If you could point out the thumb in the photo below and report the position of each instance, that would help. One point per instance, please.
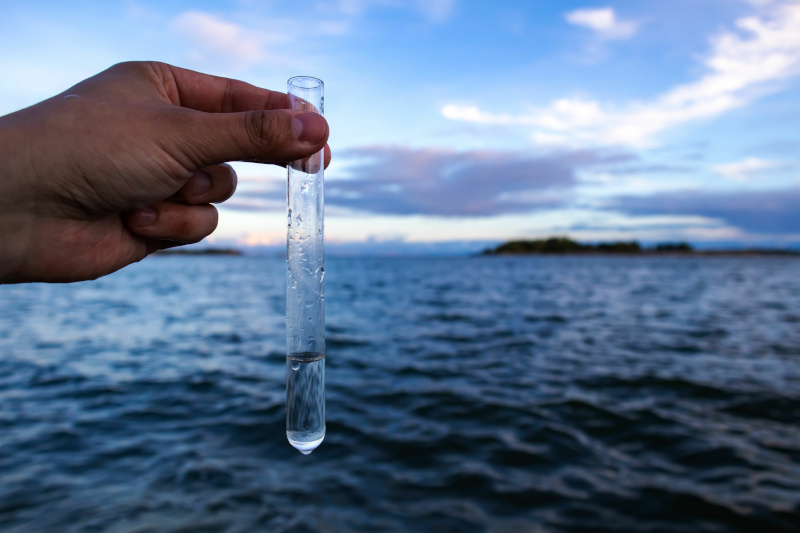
(276, 136)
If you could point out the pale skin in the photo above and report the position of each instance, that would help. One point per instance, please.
(128, 162)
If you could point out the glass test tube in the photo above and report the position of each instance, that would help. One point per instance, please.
(305, 287)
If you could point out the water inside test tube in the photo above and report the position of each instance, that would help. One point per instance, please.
(305, 400)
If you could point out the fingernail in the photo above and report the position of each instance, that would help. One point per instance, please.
(309, 127)
(146, 216)
(201, 183)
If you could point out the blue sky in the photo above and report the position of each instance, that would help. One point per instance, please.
(457, 122)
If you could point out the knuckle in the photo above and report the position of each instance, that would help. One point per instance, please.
(148, 68)
(228, 103)
(185, 227)
(125, 65)
(266, 128)
(198, 223)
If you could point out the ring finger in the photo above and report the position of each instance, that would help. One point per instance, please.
(212, 184)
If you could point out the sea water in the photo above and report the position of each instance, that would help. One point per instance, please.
(305, 400)
(637, 394)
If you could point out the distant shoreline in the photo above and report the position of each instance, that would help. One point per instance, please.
(566, 246)
(552, 247)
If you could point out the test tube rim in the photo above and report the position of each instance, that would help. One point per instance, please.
(314, 83)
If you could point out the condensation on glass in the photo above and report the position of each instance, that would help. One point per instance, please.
(305, 287)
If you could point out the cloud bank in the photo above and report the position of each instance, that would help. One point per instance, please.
(442, 183)
(775, 212)
(406, 181)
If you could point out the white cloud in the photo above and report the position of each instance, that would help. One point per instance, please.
(743, 170)
(604, 21)
(473, 114)
(740, 66)
(215, 40)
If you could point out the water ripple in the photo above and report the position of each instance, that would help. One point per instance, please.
(492, 394)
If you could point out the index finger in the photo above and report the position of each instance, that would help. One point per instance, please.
(214, 94)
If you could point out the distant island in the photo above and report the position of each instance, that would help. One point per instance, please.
(205, 251)
(565, 245)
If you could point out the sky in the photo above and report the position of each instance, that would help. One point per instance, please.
(457, 124)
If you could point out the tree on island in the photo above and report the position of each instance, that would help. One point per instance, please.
(565, 245)
(673, 247)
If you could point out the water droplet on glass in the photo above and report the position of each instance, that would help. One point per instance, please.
(295, 366)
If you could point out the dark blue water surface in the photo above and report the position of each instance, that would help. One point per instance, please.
(473, 394)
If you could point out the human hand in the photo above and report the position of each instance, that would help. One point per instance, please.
(127, 162)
